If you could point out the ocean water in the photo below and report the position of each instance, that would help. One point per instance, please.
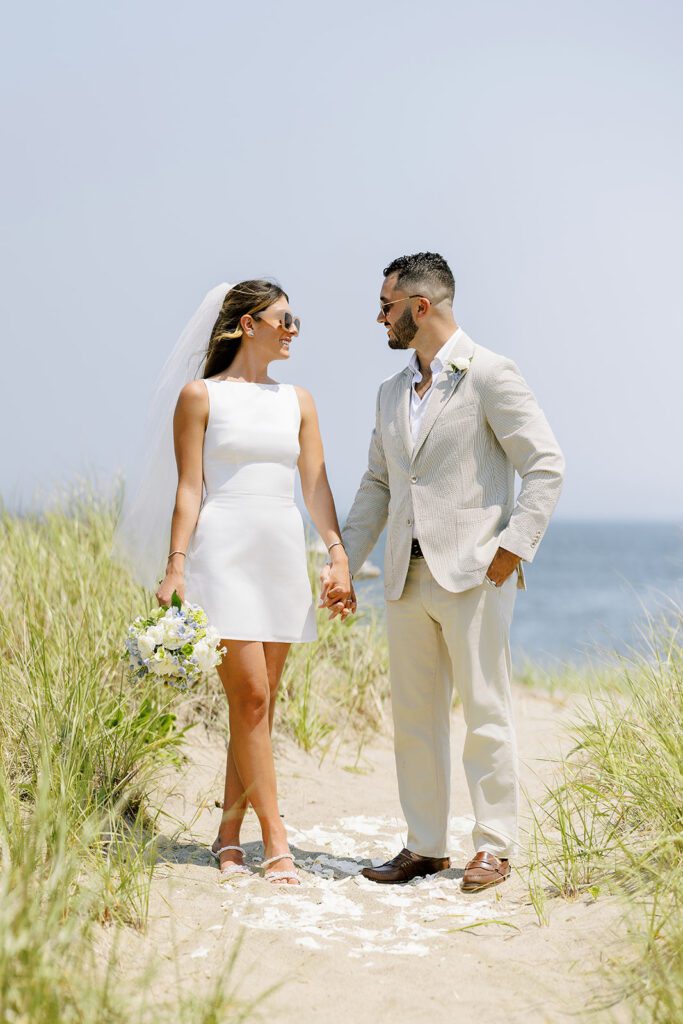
(589, 590)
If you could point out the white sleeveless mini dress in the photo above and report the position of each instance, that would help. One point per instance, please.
(246, 562)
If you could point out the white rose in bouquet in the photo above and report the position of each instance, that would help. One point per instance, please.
(206, 654)
(175, 631)
(162, 663)
(202, 653)
(147, 644)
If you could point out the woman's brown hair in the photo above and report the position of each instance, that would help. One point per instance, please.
(226, 337)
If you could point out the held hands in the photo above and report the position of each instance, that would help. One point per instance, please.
(503, 565)
(337, 591)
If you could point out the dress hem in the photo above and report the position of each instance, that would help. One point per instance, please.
(269, 639)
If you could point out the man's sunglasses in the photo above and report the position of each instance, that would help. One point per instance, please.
(384, 306)
(285, 320)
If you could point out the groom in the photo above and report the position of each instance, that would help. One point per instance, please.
(451, 429)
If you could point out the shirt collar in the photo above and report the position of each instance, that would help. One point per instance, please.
(439, 360)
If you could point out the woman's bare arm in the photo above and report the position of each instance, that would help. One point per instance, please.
(318, 498)
(189, 426)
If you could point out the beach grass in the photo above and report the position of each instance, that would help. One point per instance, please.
(80, 749)
(336, 690)
(567, 680)
(612, 822)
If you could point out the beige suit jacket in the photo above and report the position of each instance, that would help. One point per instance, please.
(457, 481)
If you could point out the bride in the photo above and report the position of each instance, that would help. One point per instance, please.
(237, 544)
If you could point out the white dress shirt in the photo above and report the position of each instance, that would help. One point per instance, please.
(418, 406)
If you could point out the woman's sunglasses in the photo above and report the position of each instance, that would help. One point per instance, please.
(286, 321)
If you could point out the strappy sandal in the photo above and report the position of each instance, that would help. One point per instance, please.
(230, 868)
(279, 876)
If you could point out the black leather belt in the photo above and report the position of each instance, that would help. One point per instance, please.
(416, 550)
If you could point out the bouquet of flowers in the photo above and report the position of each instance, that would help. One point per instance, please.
(175, 643)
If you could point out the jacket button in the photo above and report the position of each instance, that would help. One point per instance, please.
(409, 522)
(413, 479)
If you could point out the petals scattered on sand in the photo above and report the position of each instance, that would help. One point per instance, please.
(336, 906)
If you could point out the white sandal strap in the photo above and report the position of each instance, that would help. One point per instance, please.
(234, 869)
(280, 856)
(217, 853)
(276, 876)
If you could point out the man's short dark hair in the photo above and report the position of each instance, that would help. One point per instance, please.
(426, 270)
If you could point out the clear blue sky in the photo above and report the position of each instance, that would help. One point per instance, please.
(154, 149)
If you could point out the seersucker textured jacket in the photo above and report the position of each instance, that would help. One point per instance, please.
(456, 483)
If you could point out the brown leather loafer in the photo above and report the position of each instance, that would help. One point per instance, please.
(483, 871)
(405, 866)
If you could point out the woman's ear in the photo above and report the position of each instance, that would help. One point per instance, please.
(247, 325)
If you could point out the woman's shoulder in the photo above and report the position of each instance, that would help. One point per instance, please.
(303, 393)
(193, 395)
(306, 400)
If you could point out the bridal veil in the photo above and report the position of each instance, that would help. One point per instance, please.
(143, 530)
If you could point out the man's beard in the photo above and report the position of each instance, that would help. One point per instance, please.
(404, 331)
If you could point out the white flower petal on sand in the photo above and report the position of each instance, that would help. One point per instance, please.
(354, 916)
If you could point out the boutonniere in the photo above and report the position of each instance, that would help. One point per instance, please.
(460, 365)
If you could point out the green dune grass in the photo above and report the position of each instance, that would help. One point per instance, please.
(612, 823)
(79, 750)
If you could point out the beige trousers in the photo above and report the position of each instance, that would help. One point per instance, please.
(437, 638)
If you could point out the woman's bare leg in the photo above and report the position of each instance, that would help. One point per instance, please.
(276, 656)
(235, 803)
(250, 674)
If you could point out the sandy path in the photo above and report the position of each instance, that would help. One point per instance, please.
(343, 948)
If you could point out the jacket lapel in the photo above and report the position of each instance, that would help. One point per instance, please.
(444, 389)
(405, 382)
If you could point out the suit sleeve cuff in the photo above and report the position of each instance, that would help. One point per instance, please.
(519, 546)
